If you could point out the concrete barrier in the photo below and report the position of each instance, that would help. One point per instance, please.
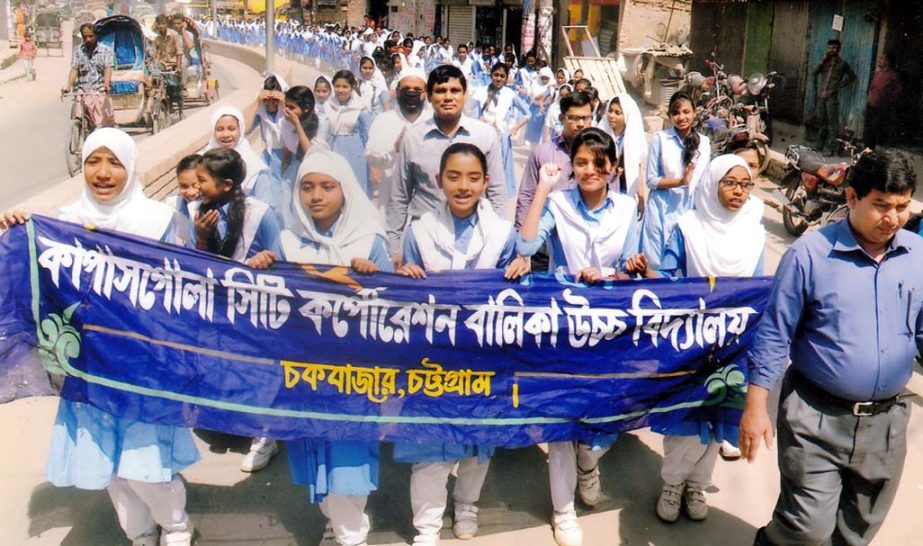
(159, 154)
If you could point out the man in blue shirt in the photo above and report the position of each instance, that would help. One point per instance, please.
(846, 309)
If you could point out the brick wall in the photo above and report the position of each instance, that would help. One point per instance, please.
(356, 11)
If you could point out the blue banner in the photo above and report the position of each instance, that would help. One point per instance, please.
(169, 335)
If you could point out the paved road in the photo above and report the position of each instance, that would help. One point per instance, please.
(34, 121)
(229, 507)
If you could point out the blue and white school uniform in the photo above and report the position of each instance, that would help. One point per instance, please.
(631, 144)
(349, 132)
(339, 475)
(270, 124)
(373, 91)
(579, 238)
(665, 206)
(709, 240)
(137, 462)
(438, 241)
(539, 98)
(260, 231)
(259, 182)
(185, 215)
(499, 112)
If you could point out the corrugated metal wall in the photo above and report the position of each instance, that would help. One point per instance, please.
(788, 55)
(859, 44)
(860, 40)
(759, 38)
(461, 24)
(718, 28)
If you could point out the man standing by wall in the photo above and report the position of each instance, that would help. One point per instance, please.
(831, 75)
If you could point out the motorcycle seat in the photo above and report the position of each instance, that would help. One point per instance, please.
(810, 161)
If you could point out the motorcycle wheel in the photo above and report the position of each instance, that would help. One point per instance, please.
(74, 147)
(768, 129)
(793, 190)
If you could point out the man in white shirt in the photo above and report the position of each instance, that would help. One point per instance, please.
(389, 128)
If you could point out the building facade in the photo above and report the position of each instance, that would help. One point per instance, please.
(790, 37)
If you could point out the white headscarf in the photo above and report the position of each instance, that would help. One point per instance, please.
(567, 76)
(319, 106)
(282, 83)
(255, 164)
(354, 231)
(128, 212)
(370, 88)
(343, 117)
(720, 242)
(634, 143)
(538, 88)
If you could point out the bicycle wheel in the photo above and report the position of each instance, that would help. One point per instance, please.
(160, 117)
(73, 148)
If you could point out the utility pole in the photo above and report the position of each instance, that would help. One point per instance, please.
(545, 30)
(270, 36)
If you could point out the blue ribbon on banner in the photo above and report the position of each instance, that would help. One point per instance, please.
(170, 335)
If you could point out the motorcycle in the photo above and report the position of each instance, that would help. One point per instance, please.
(815, 190)
(755, 99)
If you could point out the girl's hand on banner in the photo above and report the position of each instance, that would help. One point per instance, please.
(262, 260)
(590, 275)
(411, 270)
(517, 268)
(363, 267)
(11, 218)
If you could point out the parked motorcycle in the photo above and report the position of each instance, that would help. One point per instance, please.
(756, 101)
(815, 189)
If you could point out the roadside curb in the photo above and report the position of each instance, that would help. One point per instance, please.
(159, 154)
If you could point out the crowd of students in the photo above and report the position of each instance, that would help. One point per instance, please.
(413, 173)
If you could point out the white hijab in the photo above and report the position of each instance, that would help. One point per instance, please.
(255, 164)
(371, 88)
(271, 126)
(343, 117)
(719, 242)
(634, 143)
(130, 211)
(539, 89)
(319, 105)
(354, 231)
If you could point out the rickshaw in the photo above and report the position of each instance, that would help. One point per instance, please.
(48, 32)
(197, 84)
(138, 93)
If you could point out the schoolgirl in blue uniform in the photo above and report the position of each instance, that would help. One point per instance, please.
(333, 223)
(137, 463)
(349, 125)
(240, 228)
(228, 132)
(723, 235)
(464, 234)
(593, 231)
(498, 105)
(676, 161)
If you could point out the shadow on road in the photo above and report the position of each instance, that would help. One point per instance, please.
(265, 508)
